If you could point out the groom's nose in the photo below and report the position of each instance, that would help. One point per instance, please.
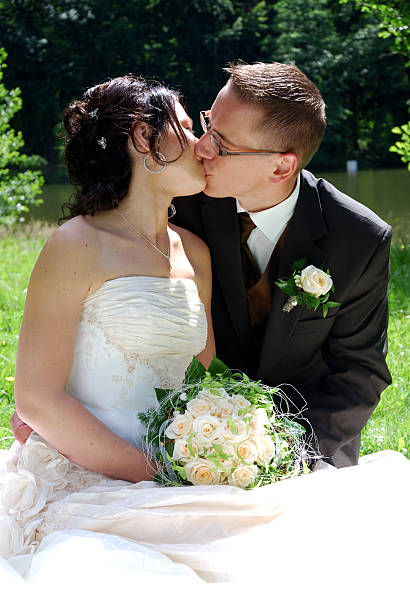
(203, 147)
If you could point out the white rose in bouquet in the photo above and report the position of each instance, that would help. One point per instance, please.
(218, 392)
(198, 407)
(11, 536)
(200, 473)
(240, 402)
(258, 422)
(23, 494)
(44, 461)
(315, 281)
(243, 475)
(208, 430)
(179, 427)
(266, 449)
(247, 451)
(234, 430)
(223, 408)
(182, 452)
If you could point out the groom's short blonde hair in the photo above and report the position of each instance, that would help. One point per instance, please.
(294, 117)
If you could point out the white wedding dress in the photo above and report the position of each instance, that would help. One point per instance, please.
(297, 543)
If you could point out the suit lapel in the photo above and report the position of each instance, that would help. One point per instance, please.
(306, 227)
(222, 235)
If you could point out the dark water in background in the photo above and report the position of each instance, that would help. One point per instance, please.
(387, 192)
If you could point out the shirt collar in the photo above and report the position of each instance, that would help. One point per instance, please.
(271, 219)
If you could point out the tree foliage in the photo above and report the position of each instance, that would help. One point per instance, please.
(58, 48)
(394, 23)
(393, 20)
(20, 184)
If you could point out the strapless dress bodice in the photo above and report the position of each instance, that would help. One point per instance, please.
(135, 333)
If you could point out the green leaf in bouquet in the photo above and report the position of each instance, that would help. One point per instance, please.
(218, 367)
(161, 479)
(293, 427)
(218, 449)
(175, 467)
(161, 394)
(180, 470)
(195, 372)
(278, 457)
(189, 444)
(218, 465)
(215, 388)
(232, 425)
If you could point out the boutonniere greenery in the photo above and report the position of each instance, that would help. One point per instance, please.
(308, 285)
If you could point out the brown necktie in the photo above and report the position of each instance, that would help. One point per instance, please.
(258, 287)
(250, 267)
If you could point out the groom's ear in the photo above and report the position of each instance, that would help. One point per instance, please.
(140, 136)
(284, 168)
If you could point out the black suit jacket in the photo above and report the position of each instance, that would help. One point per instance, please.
(338, 362)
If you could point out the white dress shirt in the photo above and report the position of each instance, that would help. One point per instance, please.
(270, 224)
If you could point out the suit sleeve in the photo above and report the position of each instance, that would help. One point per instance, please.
(355, 354)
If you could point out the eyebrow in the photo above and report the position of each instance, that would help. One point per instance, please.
(228, 142)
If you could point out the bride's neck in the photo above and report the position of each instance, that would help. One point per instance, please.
(146, 206)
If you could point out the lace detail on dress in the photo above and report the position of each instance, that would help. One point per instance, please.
(54, 518)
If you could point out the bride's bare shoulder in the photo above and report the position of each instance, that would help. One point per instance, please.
(191, 242)
(76, 235)
(71, 252)
(197, 253)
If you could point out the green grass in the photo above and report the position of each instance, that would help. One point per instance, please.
(18, 253)
(389, 426)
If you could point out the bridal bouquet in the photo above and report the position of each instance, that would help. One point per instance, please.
(223, 428)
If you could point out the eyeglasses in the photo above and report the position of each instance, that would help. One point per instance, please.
(217, 147)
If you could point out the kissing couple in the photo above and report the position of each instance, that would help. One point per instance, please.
(119, 302)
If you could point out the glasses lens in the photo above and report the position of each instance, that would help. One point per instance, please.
(215, 145)
(204, 121)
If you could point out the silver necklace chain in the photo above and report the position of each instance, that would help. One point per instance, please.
(166, 255)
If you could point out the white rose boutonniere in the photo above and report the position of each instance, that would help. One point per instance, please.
(308, 285)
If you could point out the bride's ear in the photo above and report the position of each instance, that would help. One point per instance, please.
(140, 136)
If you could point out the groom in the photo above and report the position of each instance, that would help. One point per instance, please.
(259, 213)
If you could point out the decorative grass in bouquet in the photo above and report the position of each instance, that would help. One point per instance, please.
(222, 428)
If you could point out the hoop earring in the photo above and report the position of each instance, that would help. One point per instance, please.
(162, 157)
(172, 211)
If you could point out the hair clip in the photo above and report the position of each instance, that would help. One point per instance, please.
(102, 142)
(94, 114)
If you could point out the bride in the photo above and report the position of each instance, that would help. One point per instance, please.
(118, 303)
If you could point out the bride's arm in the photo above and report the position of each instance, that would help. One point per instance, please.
(63, 276)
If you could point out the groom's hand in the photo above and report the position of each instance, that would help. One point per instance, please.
(21, 430)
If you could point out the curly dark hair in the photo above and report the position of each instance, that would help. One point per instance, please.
(107, 115)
